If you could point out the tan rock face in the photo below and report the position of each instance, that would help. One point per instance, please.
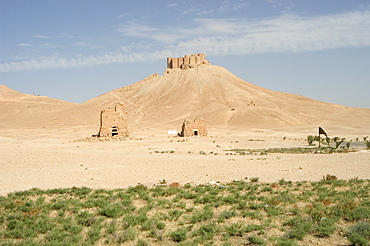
(195, 128)
(112, 122)
(186, 62)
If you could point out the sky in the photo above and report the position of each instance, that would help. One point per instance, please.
(75, 50)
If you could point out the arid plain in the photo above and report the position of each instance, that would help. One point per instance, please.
(46, 143)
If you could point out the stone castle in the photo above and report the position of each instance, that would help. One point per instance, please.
(186, 62)
(112, 122)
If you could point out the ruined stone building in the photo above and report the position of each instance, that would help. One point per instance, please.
(195, 128)
(186, 62)
(112, 122)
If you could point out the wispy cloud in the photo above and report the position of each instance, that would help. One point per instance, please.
(286, 33)
(87, 45)
(204, 8)
(283, 33)
(41, 36)
(285, 4)
(24, 45)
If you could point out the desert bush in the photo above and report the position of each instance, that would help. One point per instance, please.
(311, 139)
(359, 233)
(367, 142)
(358, 213)
(254, 179)
(300, 227)
(326, 227)
(201, 215)
(206, 232)
(255, 240)
(338, 141)
(114, 210)
(179, 235)
(226, 215)
(235, 229)
(348, 144)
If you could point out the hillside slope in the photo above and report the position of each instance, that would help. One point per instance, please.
(214, 93)
(162, 102)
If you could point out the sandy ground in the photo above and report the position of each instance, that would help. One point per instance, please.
(54, 158)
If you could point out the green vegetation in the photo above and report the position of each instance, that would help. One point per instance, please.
(294, 150)
(359, 234)
(238, 213)
(336, 140)
(367, 142)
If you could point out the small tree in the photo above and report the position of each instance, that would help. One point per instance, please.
(311, 139)
(338, 141)
(367, 142)
(348, 144)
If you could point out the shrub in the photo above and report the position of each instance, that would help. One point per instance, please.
(114, 210)
(338, 141)
(254, 179)
(201, 216)
(142, 242)
(227, 215)
(326, 227)
(311, 139)
(178, 235)
(367, 142)
(359, 233)
(286, 242)
(358, 213)
(206, 232)
(256, 240)
(300, 226)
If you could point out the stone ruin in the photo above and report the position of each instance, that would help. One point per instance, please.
(112, 122)
(186, 62)
(195, 128)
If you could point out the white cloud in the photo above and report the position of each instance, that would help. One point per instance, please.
(41, 36)
(203, 8)
(283, 33)
(286, 33)
(87, 45)
(24, 45)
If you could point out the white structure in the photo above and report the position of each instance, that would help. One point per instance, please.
(172, 132)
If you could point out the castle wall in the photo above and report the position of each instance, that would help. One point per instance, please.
(186, 62)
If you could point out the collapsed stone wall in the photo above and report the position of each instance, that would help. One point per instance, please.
(112, 122)
(186, 62)
(195, 128)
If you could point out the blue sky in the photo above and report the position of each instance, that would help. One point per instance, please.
(75, 50)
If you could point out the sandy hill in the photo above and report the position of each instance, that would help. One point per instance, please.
(207, 91)
(18, 109)
(218, 96)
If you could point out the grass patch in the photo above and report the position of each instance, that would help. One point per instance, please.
(230, 214)
(294, 150)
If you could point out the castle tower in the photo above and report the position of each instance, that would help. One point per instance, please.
(112, 122)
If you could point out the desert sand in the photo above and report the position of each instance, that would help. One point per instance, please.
(42, 140)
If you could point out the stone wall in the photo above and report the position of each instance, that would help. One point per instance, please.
(112, 122)
(195, 128)
(186, 62)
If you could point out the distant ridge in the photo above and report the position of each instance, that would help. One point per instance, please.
(19, 109)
